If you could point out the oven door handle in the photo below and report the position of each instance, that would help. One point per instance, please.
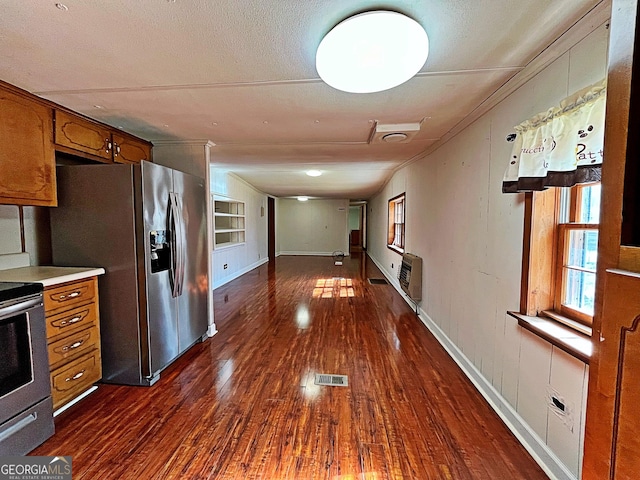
(13, 307)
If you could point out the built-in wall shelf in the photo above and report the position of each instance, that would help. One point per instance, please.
(228, 222)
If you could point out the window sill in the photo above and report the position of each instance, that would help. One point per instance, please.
(562, 336)
(396, 249)
(579, 327)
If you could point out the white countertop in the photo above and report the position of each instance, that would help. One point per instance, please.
(48, 276)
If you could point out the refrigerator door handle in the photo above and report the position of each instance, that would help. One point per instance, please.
(173, 239)
(182, 245)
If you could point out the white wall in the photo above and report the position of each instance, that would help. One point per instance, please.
(247, 256)
(9, 229)
(314, 227)
(276, 206)
(470, 237)
(354, 218)
(35, 227)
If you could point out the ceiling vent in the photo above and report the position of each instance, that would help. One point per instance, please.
(394, 132)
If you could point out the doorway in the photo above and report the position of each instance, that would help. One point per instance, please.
(357, 226)
(271, 228)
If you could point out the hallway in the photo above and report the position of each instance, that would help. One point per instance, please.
(243, 404)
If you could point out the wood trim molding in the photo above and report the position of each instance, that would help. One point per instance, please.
(540, 230)
(617, 299)
(526, 253)
(623, 365)
(629, 258)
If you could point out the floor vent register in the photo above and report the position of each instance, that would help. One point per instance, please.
(331, 380)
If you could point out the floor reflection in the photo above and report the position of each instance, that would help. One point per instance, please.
(303, 318)
(333, 287)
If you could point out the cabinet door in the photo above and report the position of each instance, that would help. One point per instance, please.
(82, 136)
(612, 440)
(27, 158)
(130, 150)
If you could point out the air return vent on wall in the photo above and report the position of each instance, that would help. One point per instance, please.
(410, 276)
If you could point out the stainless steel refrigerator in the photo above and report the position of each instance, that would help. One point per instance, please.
(146, 226)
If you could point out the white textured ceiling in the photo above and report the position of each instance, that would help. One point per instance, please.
(242, 74)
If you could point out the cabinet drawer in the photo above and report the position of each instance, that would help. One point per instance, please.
(72, 379)
(67, 322)
(69, 294)
(74, 345)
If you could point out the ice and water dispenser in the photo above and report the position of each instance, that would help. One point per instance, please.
(160, 251)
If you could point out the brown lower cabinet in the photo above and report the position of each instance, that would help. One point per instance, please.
(73, 337)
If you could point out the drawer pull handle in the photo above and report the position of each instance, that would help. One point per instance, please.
(71, 295)
(72, 346)
(75, 377)
(64, 323)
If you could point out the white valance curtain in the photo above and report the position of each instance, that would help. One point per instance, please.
(560, 147)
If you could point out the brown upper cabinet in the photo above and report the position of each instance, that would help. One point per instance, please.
(32, 129)
(27, 157)
(128, 149)
(79, 136)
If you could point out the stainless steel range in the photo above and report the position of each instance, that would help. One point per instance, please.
(26, 411)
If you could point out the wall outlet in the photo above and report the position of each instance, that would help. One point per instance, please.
(392, 266)
(225, 266)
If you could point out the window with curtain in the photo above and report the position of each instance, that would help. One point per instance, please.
(561, 148)
(395, 232)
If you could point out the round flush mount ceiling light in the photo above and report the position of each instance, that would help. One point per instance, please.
(372, 52)
(314, 173)
(303, 198)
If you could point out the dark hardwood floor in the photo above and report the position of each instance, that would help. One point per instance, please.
(243, 404)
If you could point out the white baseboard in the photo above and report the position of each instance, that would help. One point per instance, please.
(541, 453)
(211, 331)
(75, 400)
(317, 254)
(239, 273)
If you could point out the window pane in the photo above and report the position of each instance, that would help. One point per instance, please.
(590, 205)
(580, 290)
(583, 249)
(395, 235)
